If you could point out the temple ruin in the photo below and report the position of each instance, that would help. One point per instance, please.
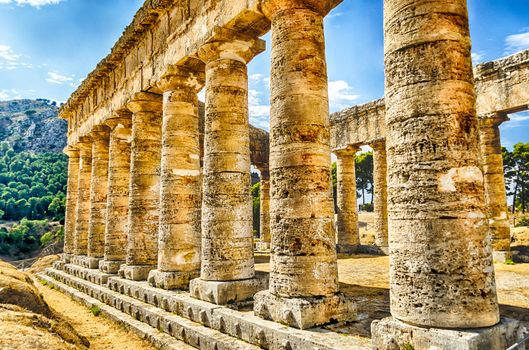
(159, 211)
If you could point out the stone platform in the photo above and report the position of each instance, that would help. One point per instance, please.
(200, 324)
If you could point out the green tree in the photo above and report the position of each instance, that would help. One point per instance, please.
(516, 169)
(364, 174)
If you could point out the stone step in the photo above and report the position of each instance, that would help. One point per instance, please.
(179, 328)
(160, 340)
(243, 325)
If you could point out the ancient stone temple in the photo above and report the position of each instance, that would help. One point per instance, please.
(159, 210)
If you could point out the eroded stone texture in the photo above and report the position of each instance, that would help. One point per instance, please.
(347, 234)
(71, 201)
(265, 207)
(380, 200)
(495, 193)
(441, 257)
(82, 215)
(118, 193)
(98, 196)
(179, 237)
(144, 192)
(303, 257)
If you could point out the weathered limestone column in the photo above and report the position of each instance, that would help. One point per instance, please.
(179, 237)
(495, 193)
(71, 202)
(303, 270)
(380, 172)
(265, 209)
(82, 215)
(98, 196)
(144, 192)
(347, 234)
(227, 268)
(441, 273)
(115, 251)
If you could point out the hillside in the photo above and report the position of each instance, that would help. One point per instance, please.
(32, 126)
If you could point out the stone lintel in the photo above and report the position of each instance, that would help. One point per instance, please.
(501, 256)
(304, 313)
(172, 279)
(390, 333)
(111, 267)
(493, 119)
(136, 272)
(227, 292)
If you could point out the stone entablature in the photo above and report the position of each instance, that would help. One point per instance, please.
(502, 86)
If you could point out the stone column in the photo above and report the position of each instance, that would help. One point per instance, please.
(347, 235)
(82, 215)
(227, 269)
(180, 201)
(118, 193)
(380, 172)
(441, 272)
(71, 202)
(303, 269)
(144, 191)
(98, 196)
(495, 193)
(265, 210)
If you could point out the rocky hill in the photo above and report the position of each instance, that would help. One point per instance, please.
(32, 125)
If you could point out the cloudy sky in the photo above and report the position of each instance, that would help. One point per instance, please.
(47, 47)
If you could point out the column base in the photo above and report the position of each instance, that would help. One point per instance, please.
(383, 250)
(391, 334)
(501, 257)
(78, 260)
(110, 267)
(92, 263)
(262, 246)
(135, 272)
(304, 313)
(347, 249)
(67, 258)
(226, 292)
(172, 279)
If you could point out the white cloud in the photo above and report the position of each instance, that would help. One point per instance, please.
(7, 54)
(516, 42)
(3, 93)
(59, 79)
(10, 60)
(259, 112)
(517, 120)
(477, 57)
(34, 3)
(341, 95)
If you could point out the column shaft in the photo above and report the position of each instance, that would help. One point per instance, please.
(144, 192)
(265, 207)
(441, 263)
(495, 193)
(71, 200)
(380, 194)
(83, 199)
(118, 195)
(98, 196)
(347, 216)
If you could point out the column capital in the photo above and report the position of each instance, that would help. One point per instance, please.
(323, 7)
(347, 151)
(145, 102)
(182, 77)
(84, 144)
(71, 151)
(228, 44)
(120, 118)
(378, 145)
(493, 119)
(100, 133)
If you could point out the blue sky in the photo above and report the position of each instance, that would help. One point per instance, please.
(48, 46)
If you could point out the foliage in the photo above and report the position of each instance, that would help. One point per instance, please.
(364, 175)
(32, 186)
(522, 221)
(516, 168)
(23, 238)
(95, 310)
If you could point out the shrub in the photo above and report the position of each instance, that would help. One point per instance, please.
(523, 221)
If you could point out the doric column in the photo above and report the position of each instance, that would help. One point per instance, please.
(303, 269)
(98, 196)
(347, 234)
(82, 215)
(227, 269)
(179, 231)
(115, 251)
(144, 192)
(495, 193)
(441, 273)
(265, 209)
(380, 200)
(71, 202)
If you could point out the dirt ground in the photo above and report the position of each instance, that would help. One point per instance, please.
(102, 333)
